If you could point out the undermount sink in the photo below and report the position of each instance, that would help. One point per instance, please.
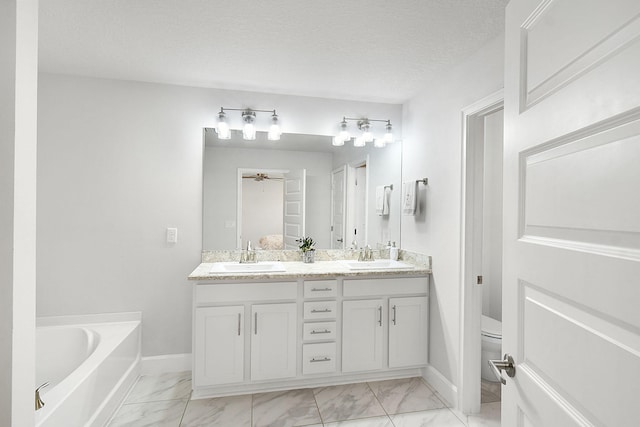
(257, 267)
(378, 264)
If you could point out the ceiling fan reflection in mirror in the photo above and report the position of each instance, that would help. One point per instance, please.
(261, 177)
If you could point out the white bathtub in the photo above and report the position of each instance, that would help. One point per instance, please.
(90, 363)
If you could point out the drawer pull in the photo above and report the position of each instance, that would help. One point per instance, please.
(320, 289)
(314, 332)
(239, 320)
(325, 310)
(324, 359)
(380, 318)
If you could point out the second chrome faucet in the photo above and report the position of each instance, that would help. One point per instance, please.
(248, 255)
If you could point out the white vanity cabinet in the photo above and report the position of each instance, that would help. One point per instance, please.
(244, 332)
(219, 345)
(386, 330)
(263, 335)
(362, 333)
(408, 321)
(273, 341)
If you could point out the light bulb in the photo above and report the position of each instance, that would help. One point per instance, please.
(379, 143)
(337, 141)
(344, 132)
(388, 137)
(222, 127)
(274, 129)
(367, 136)
(249, 129)
(359, 142)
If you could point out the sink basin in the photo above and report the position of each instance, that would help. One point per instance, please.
(378, 264)
(258, 267)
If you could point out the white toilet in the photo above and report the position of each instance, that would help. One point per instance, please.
(491, 345)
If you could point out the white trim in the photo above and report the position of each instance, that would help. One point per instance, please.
(83, 319)
(443, 386)
(155, 365)
(468, 393)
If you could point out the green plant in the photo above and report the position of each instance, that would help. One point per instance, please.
(306, 244)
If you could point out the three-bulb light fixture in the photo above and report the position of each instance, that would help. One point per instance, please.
(248, 128)
(364, 124)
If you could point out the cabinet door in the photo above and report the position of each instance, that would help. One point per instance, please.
(273, 341)
(362, 346)
(219, 345)
(407, 331)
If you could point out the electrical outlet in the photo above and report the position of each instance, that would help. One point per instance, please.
(172, 235)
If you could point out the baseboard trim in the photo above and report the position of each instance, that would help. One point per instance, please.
(155, 365)
(443, 386)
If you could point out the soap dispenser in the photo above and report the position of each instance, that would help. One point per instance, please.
(393, 252)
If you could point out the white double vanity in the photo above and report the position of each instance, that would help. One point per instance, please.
(307, 325)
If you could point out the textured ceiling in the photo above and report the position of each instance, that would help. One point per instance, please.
(370, 50)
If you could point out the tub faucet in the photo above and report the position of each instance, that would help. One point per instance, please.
(39, 402)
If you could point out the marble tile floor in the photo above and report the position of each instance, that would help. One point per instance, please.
(163, 400)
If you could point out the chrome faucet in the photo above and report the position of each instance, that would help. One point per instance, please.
(248, 255)
(366, 254)
(39, 402)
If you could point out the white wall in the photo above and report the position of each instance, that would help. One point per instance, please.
(432, 142)
(118, 163)
(18, 108)
(492, 216)
(221, 175)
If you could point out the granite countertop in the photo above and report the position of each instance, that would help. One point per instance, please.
(319, 269)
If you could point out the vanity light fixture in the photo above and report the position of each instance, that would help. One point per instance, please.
(367, 136)
(248, 124)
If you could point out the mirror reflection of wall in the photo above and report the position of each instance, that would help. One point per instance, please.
(262, 214)
(223, 160)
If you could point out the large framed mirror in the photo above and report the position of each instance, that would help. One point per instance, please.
(271, 192)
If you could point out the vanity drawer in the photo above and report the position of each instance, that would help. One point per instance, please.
(394, 286)
(319, 331)
(319, 310)
(320, 289)
(241, 292)
(318, 358)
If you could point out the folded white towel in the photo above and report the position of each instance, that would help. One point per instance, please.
(409, 197)
(386, 200)
(379, 200)
(383, 196)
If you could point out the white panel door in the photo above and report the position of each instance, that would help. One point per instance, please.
(408, 329)
(273, 341)
(572, 213)
(338, 205)
(362, 335)
(294, 207)
(219, 345)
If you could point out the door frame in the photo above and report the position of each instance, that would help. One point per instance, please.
(471, 294)
(343, 232)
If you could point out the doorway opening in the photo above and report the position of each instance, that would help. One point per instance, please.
(481, 247)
